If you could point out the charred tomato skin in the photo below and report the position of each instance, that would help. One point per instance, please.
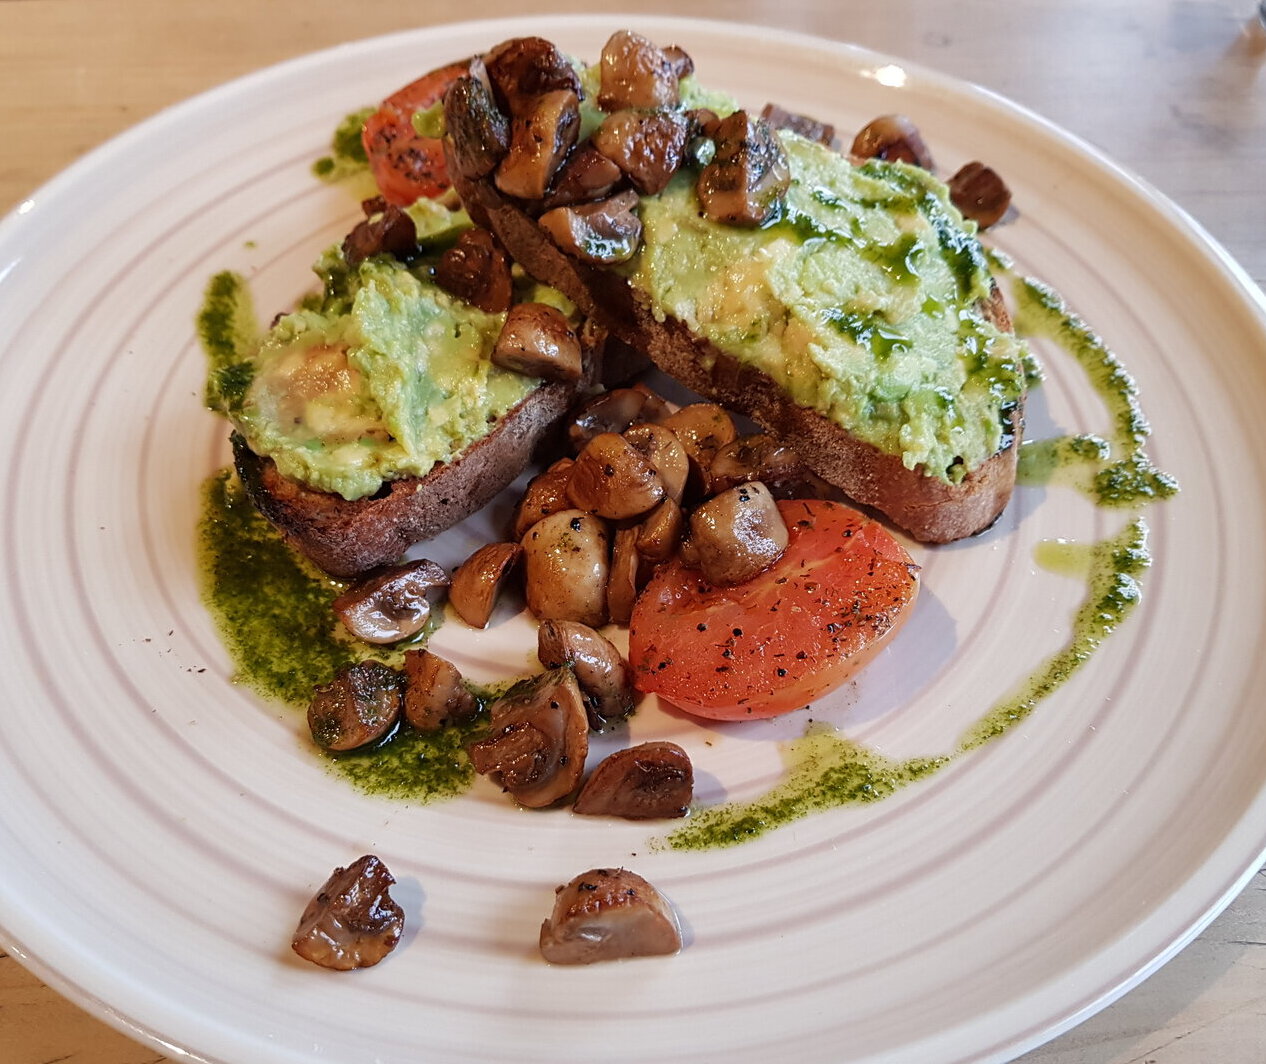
(774, 643)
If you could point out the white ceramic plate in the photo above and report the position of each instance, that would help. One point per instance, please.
(161, 829)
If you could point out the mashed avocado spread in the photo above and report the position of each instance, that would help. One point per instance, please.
(382, 376)
(859, 298)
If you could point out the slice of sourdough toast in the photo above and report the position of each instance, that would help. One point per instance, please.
(930, 509)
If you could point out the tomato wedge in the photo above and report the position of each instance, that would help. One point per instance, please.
(405, 165)
(841, 590)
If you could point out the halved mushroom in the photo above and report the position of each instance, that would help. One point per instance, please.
(980, 194)
(660, 533)
(523, 68)
(352, 921)
(587, 175)
(622, 581)
(645, 782)
(386, 230)
(755, 457)
(748, 178)
(738, 534)
(566, 567)
(359, 706)
(612, 479)
(613, 411)
(539, 739)
(803, 125)
(545, 494)
(602, 673)
(605, 914)
(537, 341)
(604, 232)
(477, 270)
(479, 133)
(636, 73)
(682, 64)
(648, 146)
(390, 604)
(703, 428)
(434, 694)
(541, 135)
(892, 137)
(479, 580)
(663, 449)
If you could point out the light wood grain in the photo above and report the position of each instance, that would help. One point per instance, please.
(1173, 89)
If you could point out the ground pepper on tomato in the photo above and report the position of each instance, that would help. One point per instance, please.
(806, 625)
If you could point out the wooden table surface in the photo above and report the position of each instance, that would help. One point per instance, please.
(1172, 89)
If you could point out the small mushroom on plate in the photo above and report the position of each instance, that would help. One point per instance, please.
(737, 534)
(566, 566)
(434, 694)
(613, 479)
(479, 580)
(390, 604)
(601, 671)
(980, 194)
(756, 457)
(538, 740)
(892, 137)
(359, 706)
(803, 125)
(613, 411)
(623, 579)
(478, 132)
(541, 135)
(386, 230)
(663, 449)
(703, 428)
(748, 178)
(635, 72)
(660, 532)
(537, 341)
(607, 914)
(645, 782)
(524, 68)
(647, 146)
(605, 232)
(587, 175)
(545, 494)
(352, 921)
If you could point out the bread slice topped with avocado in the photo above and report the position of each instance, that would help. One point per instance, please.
(403, 397)
(844, 304)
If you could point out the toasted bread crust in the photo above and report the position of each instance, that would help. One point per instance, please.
(346, 537)
(928, 508)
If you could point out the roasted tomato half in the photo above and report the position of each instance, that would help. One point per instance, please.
(841, 590)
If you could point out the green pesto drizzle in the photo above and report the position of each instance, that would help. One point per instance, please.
(229, 331)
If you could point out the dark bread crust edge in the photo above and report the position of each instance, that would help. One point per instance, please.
(927, 508)
(347, 537)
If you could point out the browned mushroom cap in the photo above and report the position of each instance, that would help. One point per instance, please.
(539, 739)
(645, 782)
(612, 479)
(352, 921)
(613, 411)
(756, 457)
(809, 128)
(622, 581)
(682, 64)
(602, 673)
(703, 428)
(387, 230)
(895, 138)
(663, 449)
(524, 68)
(434, 694)
(479, 580)
(659, 534)
(980, 194)
(390, 604)
(478, 132)
(648, 146)
(537, 341)
(566, 568)
(359, 706)
(541, 135)
(737, 534)
(545, 494)
(604, 232)
(605, 914)
(476, 269)
(748, 178)
(636, 73)
(587, 175)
